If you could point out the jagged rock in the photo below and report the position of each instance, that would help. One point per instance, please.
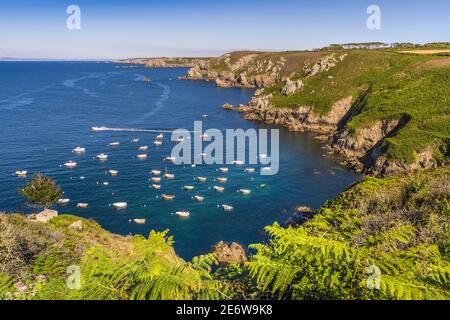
(78, 225)
(46, 215)
(229, 254)
(292, 87)
(304, 210)
(228, 106)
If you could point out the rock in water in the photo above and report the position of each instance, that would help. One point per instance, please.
(229, 254)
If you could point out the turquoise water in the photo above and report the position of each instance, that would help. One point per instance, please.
(48, 108)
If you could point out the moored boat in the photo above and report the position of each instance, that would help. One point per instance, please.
(169, 176)
(142, 156)
(143, 148)
(157, 143)
(70, 164)
(183, 214)
(238, 162)
(219, 189)
(170, 159)
(222, 180)
(113, 172)
(224, 170)
(82, 205)
(167, 197)
(199, 198)
(63, 202)
(156, 186)
(102, 157)
(21, 173)
(201, 179)
(113, 144)
(155, 179)
(139, 221)
(120, 205)
(160, 136)
(250, 170)
(156, 172)
(189, 188)
(245, 191)
(227, 207)
(79, 150)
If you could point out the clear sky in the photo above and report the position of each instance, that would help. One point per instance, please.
(117, 29)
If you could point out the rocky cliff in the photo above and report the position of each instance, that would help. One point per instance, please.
(165, 62)
(289, 83)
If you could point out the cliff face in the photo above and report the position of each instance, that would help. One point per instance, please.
(165, 62)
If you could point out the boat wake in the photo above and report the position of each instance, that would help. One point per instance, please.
(131, 130)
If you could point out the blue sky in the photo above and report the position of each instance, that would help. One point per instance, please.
(116, 29)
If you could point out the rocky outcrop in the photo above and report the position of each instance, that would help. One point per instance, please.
(164, 62)
(300, 119)
(292, 87)
(229, 254)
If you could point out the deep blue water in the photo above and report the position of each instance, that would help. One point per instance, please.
(48, 108)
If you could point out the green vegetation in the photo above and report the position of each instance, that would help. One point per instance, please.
(397, 226)
(41, 192)
(408, 87)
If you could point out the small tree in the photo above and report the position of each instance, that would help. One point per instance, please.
(41, 192)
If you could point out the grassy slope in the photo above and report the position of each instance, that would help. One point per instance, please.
(402, 85)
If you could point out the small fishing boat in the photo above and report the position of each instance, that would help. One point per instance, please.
(169, 176)
(105, 183)
(201, 179)
(135, 140)
(82, 205)
(21, 173)
(183, 214)
(79, 150)
(189, 188)
(222, 180)
(224, 170)
(250, 170)
(113, 144)
(156, 186)
(102, 157)
(113, 172)
(157, 143)
(245, 192)
(160, 136)
(262, 186)
(120, 205)
(170, 159)
(143, 148)
(238, 162)
(156, 172)
(227, 208)
(199, 198)
(70, 164)
(139, 221)
(204, 116)
(155, 179)
(63, 202)
(219, 189)
(167, 197)
(142, 156)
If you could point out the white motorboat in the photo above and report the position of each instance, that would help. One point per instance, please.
(201, 179)
(238, 162)
(21, 173)
(113, 144)
(219, 189)
(183, 214)
(167, 197)
(250, 170)
(170, 159)
(79, 150)
(135, 140)
(142, 156)
(113, 172)
(143, 148)
(245, 192)
(156, 186)
(157, 143)
(63, 202)
(169, 176)
(70, 164)
(160, 136)
(227, 208)
(82, 205)
(222, 180)
(199, 198)
(156, 172)
(224, 170)
(189, 188)
(120, 205)
(204, 116)
(102, 157)
(139, 221)
(155, 179)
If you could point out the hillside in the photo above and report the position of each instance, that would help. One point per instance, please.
(165, 62)
(396, 226)
(386, 111)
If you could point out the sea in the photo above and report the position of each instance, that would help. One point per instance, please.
(49, 108)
